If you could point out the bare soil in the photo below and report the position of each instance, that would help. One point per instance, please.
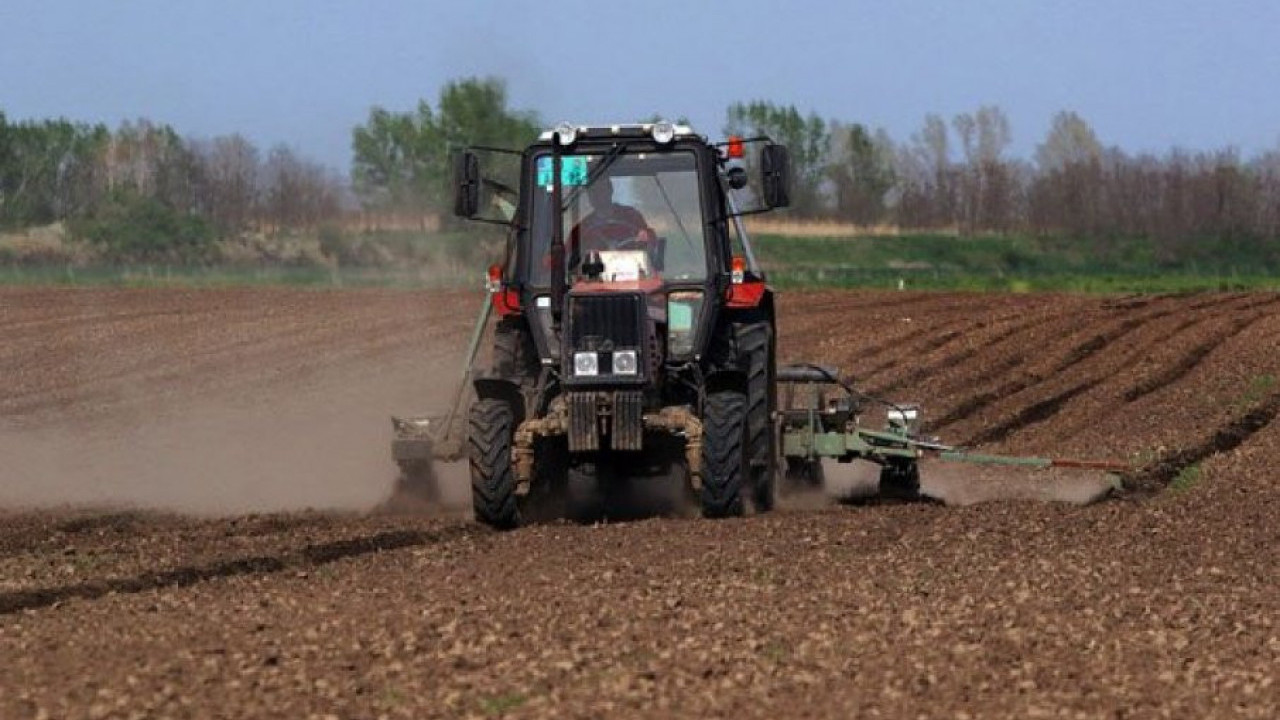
(193, 525)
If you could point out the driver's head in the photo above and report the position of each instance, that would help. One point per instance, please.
(601, 193)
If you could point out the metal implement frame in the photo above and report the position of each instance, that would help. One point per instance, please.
(423, 438)
(818, 437)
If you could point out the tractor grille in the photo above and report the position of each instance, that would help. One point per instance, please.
(584, 429)
(598, 319)
(618, 413)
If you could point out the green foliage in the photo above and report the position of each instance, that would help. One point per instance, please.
(1186, 479)
(1070, 142)
(334, 244)
(1005, 263)
(501, 704)
(1260, 386)
(48, 169)
(219, 276)
(919, 262)
(861, 172)
(135, 228)
(402, 160)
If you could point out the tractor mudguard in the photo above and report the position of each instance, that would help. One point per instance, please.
(746, 295)
(508, 391)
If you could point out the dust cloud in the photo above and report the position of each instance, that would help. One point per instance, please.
(961, 484)
(317, 443)
(958, 484)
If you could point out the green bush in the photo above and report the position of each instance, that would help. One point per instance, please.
(131, 228)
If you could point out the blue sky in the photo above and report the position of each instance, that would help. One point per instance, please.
(1148, 74)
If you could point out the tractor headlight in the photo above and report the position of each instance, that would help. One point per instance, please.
(663, 132)
(586, 364)
(625, 362)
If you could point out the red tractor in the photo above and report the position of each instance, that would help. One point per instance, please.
(635, 334)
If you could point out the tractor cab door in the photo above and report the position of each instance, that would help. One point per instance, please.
(636, 213)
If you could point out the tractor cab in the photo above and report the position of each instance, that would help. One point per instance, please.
(649, 210)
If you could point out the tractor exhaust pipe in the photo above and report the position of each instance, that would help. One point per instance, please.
(557, 237)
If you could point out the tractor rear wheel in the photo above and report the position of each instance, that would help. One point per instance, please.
(724, 463)
(754, 341)
(493, 480)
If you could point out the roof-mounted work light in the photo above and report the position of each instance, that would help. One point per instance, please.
(567, 132)
(663, 132)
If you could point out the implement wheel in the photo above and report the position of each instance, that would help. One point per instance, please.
(493, 480)
(724, 465)
(900, 480)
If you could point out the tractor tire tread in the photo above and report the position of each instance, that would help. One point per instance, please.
(723, 456)
(753, 342)
(493, 481)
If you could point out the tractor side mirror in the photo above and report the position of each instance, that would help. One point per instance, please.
(466, 184)
(737, 178)
(775, 170)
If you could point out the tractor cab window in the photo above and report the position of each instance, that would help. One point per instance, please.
(641, 213)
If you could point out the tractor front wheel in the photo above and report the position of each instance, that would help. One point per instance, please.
(724, 463)
(493, 480)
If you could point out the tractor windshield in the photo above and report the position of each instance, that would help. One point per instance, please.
(641, 212)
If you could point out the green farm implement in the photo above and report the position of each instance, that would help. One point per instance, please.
(819, 418)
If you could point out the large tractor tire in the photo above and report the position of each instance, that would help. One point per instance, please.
(493, 480)
(754, 342)
(724, 465)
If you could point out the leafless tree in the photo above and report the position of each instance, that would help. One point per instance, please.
(230, 169)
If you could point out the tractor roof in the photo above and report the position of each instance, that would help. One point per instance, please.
(619, 130)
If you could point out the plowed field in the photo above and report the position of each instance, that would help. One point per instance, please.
(194, 524)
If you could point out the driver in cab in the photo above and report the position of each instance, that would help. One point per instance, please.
(610, 226)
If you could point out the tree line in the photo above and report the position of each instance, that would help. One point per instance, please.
(959, 176)
(955, 176)
(143, 192)
(952, 175)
